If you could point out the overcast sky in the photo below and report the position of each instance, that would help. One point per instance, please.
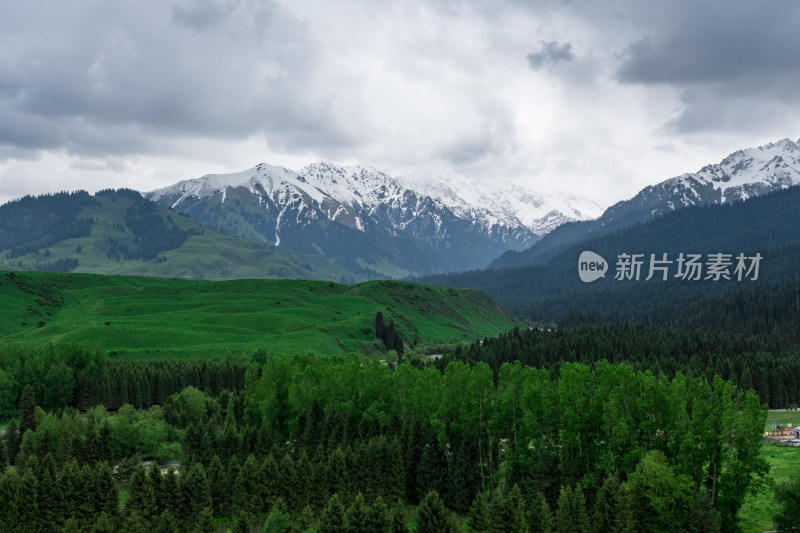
(587, 97)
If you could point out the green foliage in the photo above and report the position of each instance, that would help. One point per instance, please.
(333, 519)
(277, 521)
(788, 497)
(432, 516)
(199, 320)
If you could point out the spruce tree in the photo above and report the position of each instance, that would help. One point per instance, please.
(516, 514)
(604, 505)
(106, 523)
(378, 519)
(571, 516)
(397, 519)
(216, 483)
(195, 492)
(9, 495)
(432, 516)
(357, 514)
(333, 519)
(3, 456)
(27, 410)
(106, 491)
(432, 468)
(277, 521)
(478, 518)
(204, 522)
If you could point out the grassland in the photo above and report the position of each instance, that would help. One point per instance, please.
(142, 317)
(757, 512)
(207, 254)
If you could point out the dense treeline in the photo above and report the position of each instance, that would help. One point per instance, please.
(153, 232)
(329, 443)
(552, 291)
(32, 223)
(62, 264)
(70, 375)
(767, 364)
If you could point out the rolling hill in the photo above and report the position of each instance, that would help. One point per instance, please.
(140, 317)
(119, 232)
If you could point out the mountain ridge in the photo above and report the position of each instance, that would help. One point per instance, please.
(388, 227)
(741, 175)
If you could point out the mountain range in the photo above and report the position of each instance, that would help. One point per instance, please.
(351, 223)
(370, 223)
(741, 175)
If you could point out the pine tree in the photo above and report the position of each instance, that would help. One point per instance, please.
(338, 479)
(106, 491)
(432, 516)
(13, 439)
(379, 325)
(141, 497)
(204, 522)
(478, 518)
(605, 504)
(3, 456)
(397, 519)
(464, 474)
(624, 516)
(277, 521)
(357, 515)
(27, 410)
(571, 516)
(29, 516)
(540, 518)
(105, 523)
(171, 493)
(195, 492)
(432, 468)
(269, 486)
(703, 518)
(378, 519)
(165, 523)
(9, 495)
(516, 514)
(305, 480)
(333, 519)
(287, 473)
(216, 483)
(306, 519)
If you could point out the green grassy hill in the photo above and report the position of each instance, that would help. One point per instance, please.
(112, 239)
(140, 317)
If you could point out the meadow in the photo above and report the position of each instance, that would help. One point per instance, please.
(141, 317)
(757, 512)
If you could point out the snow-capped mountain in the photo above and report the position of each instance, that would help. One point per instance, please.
(364, 219)
(511, 205)
(741, 175)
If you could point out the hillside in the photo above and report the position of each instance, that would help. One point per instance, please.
(369, 222)
(119, 232)
(138, 317)
(553, 291)
(742, 175)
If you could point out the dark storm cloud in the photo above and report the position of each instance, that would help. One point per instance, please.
(550, 53)
(202, 68)
(720, 54)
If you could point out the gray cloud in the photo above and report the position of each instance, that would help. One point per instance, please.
(211, 68)
(720, 55)
(551, 53)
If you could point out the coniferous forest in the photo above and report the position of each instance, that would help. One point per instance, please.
(488, 439)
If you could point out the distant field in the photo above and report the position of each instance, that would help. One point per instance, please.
(140, 317)
(782, 417)
(758, 510)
